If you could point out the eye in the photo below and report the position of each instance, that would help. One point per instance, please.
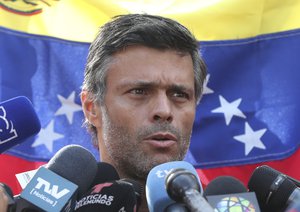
(138, 91)
(181, 95)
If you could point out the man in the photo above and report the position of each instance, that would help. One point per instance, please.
(143, 80)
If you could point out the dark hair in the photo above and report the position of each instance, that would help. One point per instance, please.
(137, 29)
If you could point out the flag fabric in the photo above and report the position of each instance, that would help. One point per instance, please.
(248, 114)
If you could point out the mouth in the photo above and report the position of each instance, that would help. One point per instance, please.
(161, 140)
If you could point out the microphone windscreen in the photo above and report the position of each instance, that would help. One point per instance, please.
(105, 173)
(224, 185)
(271, 187)
(76, 164)
(18, 122)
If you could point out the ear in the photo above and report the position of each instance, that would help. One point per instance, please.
(91, 110)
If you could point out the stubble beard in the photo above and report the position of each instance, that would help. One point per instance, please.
(125, 151)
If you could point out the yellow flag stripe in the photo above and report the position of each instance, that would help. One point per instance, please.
(79, 20)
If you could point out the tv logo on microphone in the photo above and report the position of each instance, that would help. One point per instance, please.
(47, 190)
(52, 191)
(162, 173)
(7, 131)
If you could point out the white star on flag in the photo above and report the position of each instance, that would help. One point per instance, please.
(229, 109)
(251, 138)
(46, 136)
(207, 90)
(68, 107)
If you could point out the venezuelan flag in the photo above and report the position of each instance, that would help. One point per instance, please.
(248, 115)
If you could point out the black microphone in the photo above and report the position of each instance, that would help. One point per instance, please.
(18, 122)
(75, 163)
(274, 190)
(8, 192)
(117, 195)
(105, 173)
(183, 187)
(56, 186)
(226, 193)
(138, 190)
(224, 185)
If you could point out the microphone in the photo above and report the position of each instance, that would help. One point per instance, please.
(105, 173)
(294, 207)
(138, 190)
(176, 207)
(274, 190)
(18, 122)
(55, 187)
(8, 192)
(183, 187)
(224, 185)
(117, 195)
(157, 198)
(108, 177)
(226, 193)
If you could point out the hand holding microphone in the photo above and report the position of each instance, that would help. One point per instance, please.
(3, 201)
(7, 203)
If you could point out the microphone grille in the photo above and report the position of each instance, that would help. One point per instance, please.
(271, 187)
(76, 164)
(224, 185)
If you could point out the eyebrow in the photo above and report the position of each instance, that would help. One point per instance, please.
(146, 84)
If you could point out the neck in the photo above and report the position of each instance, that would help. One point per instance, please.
(144, 205)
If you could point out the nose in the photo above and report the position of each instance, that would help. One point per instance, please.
(162, 109)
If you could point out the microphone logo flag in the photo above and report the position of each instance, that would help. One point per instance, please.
(7, 130)
(97, 188)
(243, 202)
(235, 203)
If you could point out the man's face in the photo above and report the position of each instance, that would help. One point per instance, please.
(148, 110)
